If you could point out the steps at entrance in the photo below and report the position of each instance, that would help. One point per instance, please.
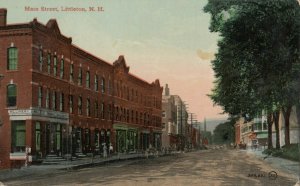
(53, 159)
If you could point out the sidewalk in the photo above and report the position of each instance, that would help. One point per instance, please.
(70, 165)
(293, 167)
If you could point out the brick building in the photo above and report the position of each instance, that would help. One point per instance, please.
(59, 99)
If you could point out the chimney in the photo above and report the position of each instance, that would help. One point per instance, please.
(167, 90)
(3, 13)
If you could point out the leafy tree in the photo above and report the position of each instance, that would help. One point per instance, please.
(257, 64)
(224, 133)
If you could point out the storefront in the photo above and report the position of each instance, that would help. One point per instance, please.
(126, 138)
(41, 130)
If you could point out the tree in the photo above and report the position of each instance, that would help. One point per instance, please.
(224, 133)
(257, 63)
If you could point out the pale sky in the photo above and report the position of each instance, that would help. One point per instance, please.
(167, 40)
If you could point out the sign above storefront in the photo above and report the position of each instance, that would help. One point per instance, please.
(39, 114)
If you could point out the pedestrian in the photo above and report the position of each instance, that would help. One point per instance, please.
(111, 149)
(104, 150)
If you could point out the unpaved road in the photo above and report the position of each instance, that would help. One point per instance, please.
(210, 167)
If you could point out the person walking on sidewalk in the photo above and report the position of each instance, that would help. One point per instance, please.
(111, 149)
(104, 150)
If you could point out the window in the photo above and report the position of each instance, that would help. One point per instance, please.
(61, 102)
(102, 85)
(96, 109)
(41, 59)
(40, 96)
(109, 112)
(53, 100)
(80, 76)
(55, 66)
(163, 114)
(80, 105)
(48, 98)
(109, 87)
(71, 72)
(102, 111)
(88, 108)
(12, 63)
(18, 136)
(62, 68)
(11, 95)
(87, 79)
(49, 63)
(71, 103)
(37, 136)
(96, 82)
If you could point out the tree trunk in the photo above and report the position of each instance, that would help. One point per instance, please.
(276, 122)
(287, 113)
(270, 123)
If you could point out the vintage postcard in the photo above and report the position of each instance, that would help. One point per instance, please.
(149, 92)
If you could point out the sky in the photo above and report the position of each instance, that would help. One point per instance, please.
(167, 40)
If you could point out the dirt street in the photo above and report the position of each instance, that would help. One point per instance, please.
(209, 167)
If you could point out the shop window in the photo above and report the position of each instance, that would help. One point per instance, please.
(37, 136)
(18, 136)
(12, 59)
(11, 95)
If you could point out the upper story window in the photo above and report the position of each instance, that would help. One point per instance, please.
(48, 98)
(53, 100)
(71, 72)
(49, 63)
(55, 66)
(80, 105)
(109, 87)
(80, 76)
(11, 95)
(40, 96)
(62, 68)
(12, 59)
(102, 110)
(71, 103)
(102, 84)
(88, 107)
(41, 59)
(61, 102)
(96, 109)
(96, 83)
(87, 79)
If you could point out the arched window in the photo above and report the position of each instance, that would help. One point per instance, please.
(11, 95)
(87, 82)
(12, 58)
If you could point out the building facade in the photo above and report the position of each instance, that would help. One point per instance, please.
(58, 99)
(169, 120)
